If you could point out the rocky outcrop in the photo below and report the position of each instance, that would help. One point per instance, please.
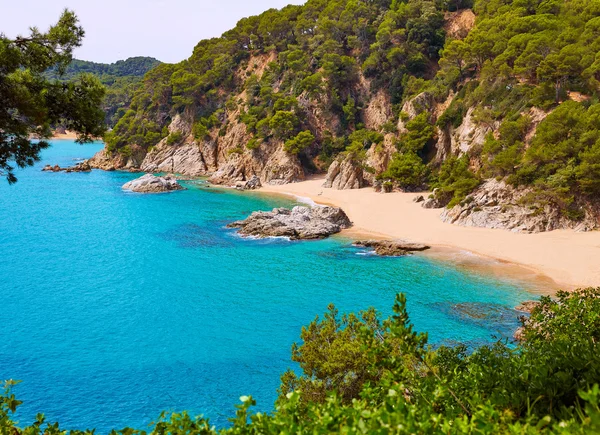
(458, 24)
(527, 306)
(251, 184)
(80, 167)
(149, 183)
(496, 204)
(423, 102)
(184, 159)
(224, 157)
(391, 248)
(297, 223)
(346, 173)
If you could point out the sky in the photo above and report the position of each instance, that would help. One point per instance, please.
(117, 29)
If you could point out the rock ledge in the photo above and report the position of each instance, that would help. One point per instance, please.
(391, 248)
(298, 223)
(149, 183)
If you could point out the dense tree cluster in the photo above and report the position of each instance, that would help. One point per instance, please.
(30, 104)
(361, 374)
(523, 54)
(317, 51)
(121, 79)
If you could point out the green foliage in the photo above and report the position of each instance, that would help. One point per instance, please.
(174, 138)
(296, 145)
(30, 104)
(133, 66)
(284, 124)
(407, 169)
(361, 374)
(420, 133)
(318, 51)
(455, 180)
(253, 144)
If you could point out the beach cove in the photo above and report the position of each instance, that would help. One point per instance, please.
(149, 301)
(560, 259)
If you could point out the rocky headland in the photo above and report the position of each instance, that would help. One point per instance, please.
(149, 183)
(299, 223)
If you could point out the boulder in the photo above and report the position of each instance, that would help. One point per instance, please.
(391, 248)
(298, 223)
(345, 173)
(251, 184)
(149, 183)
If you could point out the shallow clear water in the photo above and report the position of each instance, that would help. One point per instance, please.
(115, 306)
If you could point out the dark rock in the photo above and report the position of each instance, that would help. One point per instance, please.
(391, 248)
(251, 184)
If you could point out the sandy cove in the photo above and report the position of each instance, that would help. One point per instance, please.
(557, 259)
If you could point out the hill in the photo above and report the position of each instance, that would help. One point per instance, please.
(121, 79)
(492, 104)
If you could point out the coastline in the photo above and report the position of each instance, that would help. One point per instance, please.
(560, 259)
(71, 135)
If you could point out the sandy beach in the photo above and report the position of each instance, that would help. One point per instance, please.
(561, 259)
(71, 135)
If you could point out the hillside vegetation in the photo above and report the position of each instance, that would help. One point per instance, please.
(364, 375)
(121, 79)
(407, 93)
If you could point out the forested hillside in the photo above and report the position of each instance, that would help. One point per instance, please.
(121, 79)
(399, 94)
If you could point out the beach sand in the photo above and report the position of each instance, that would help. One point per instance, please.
(71, 135)
(561, 259)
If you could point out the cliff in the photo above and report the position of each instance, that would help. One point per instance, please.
(412, 96)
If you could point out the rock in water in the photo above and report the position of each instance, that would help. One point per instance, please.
(297, 223)
(149, 183)
(391, 248)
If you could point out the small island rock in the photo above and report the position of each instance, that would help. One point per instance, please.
(298, 223)
(149, 183)
(391, 248)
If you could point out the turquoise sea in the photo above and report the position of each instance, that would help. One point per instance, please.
(116, 306)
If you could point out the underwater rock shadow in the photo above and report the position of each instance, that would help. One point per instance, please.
(499, 319)
(190, 235)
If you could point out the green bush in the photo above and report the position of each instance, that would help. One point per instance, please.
(455, 180)
(407, 169)
(296, 145)
(174, 138)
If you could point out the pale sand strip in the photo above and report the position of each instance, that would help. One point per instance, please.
(568, 258)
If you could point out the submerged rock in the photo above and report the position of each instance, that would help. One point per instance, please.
(298, 223)
(149, 183)
(391, 248)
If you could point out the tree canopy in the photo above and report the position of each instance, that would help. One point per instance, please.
(30, 104)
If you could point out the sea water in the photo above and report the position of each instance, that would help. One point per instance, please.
(115, 306)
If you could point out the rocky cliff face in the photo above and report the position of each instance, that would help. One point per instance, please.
(224, 158)
(497, 205)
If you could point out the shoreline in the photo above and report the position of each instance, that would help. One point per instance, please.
(550, 261)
